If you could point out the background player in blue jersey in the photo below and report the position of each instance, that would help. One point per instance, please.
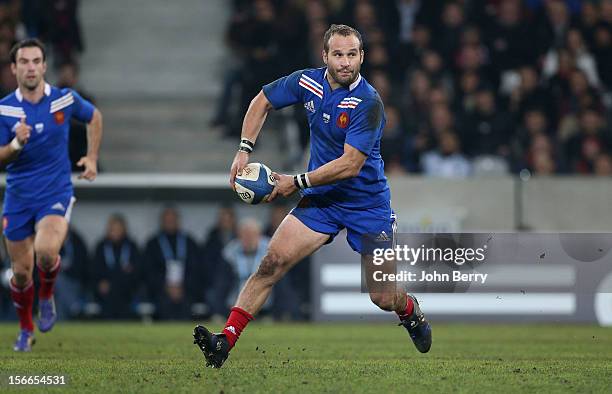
(345, 186)
(34, 132)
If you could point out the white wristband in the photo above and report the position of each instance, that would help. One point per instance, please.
(16, 144)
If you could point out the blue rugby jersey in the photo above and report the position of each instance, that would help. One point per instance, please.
(42, 168)
(353, 115)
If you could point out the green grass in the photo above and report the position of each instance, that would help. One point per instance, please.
(319, 358)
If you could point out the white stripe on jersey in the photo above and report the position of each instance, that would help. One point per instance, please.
(61, 102)
(351, 99)
(61, 106)
(14, 112)
(349, 102)
(306, 85)
(312, 82)
(64, 97)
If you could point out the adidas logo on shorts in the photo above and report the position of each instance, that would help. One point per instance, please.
(58, 206)
(383, 237)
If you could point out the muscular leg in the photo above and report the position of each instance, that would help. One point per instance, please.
(50, 235)
(389, 297)
(22, 260)
(291, 242)
(385, 295)
(22, 286)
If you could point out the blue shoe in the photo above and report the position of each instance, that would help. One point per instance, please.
(47, 315)
(24, 342)
(418, 328)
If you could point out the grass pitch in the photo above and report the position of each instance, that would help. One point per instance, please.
(130, 357)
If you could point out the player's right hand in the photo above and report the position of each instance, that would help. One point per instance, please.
(22, 131)
(240, 161)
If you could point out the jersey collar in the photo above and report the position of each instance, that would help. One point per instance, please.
(20, 96)
(351, 86)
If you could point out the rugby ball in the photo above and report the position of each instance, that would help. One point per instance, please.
(255, 184)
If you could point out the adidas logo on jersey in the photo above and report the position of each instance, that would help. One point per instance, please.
(383, 237)
(58, 206)
(310, 106)
(326, 117)
(231, 329)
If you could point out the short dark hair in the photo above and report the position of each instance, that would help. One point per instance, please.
(27, 43)
(342, 30)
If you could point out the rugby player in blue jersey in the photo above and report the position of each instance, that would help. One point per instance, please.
(345, 186)
(34, 133)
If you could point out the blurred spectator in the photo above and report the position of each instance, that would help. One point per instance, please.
(172, 268)
(510, 39)
(557, 23)
(592, 140)
(260, 44)
(411, 51)
(73, 277)
(534, 123)
(603, 165)
(68, 77)
(487, 129)
(540, 156)
(602, 49)
(61, 29)
(393, 143)
(245, 253)
(8, 83)
(530, 94)
(115, 274)
(219, 281)
(449, 34)
(581, 94)
(447, 161)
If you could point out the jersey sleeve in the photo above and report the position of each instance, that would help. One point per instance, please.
(284, 91)
(363, 128)
(82, 109)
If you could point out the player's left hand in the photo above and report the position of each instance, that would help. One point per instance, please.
(90, 166)
(284, 186)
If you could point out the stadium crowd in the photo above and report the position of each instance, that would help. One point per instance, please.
(171, 276)
(469, 86)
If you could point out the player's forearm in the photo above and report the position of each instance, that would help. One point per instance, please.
(255, 117)
(94, 135)
(332, 172)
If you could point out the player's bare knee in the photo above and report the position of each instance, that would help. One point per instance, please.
(21, 276)
(385, 301)
(271, 267)
(46, 259)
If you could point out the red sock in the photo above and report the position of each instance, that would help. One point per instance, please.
(236, 322)
(23, 299)
(47, 280)
(409, 309)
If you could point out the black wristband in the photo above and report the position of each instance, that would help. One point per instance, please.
(246, 146)
(301, 181)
